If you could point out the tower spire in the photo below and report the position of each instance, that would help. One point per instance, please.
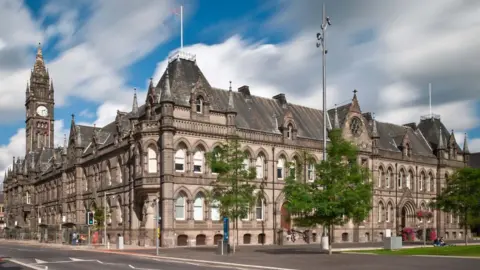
(465, 145)
(374, 128)
(135, 102)
(336, 122)
(441, 144)
(231, 105)
(166, 93)
(39, 67)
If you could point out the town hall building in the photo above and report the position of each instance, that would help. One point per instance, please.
(156, 151)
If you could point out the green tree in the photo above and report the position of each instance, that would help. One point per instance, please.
(234, 189)
(461, 195)
(340, 191)
(99, 217)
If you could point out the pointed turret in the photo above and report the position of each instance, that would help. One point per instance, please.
(135, 103)
(374, 127)
(441, 144)
(64, 150)
(166, 95)
(231, 105)
(465, 144)
(336, 122)
(39, 67)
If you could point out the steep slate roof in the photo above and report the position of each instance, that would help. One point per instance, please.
(259, 114)
(475, 160)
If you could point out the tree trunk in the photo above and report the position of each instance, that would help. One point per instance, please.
(465, 228)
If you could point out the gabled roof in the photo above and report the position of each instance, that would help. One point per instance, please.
(475, 160)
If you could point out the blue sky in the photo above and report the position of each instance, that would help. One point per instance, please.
(98, 51)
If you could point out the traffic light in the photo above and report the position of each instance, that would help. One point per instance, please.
(90, 219)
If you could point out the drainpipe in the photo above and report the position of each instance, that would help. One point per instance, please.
(396, 199)
(273, 199)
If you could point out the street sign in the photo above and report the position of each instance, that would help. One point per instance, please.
(225, 229)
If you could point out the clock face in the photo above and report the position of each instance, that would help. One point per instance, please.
(42, 111)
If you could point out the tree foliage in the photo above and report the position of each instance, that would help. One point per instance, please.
(461, 195)
(340, 190)
(233, 190)
(99, 217)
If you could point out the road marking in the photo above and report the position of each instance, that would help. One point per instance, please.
(211, 263)
(40, 261)
(77, 260)
(28, 265)
(133, 267)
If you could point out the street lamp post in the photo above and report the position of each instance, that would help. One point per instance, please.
(105, 220)
(321, 43)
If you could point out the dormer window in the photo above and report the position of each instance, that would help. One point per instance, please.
(290, 131)
(199, 105)
(408, 150)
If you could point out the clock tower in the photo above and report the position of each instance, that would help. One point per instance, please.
(39, 105)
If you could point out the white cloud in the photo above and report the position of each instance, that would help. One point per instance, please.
(117, 34)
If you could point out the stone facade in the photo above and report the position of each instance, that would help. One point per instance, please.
(157, 152)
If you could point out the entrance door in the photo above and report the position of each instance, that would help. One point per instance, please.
(404, 218)
(286, 219)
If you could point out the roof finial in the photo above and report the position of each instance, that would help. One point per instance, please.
(230, 87)
(39, 52)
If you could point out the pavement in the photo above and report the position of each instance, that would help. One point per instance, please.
(21, 257)
(289, 257)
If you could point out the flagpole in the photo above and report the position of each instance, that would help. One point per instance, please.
(181, 27)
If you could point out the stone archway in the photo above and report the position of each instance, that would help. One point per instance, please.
(286, 219)
(407, 218)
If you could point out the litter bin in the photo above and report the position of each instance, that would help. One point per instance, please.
(223, 248)
(120, 242)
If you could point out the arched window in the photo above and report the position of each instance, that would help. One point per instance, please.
(290, 131)
(108, 175)
(28, 198)
(381, 210)
(119, 172)
(311, 171)
(293, 168)
(381, 176)
(389, 212)
(152, 160)
(198, 161)
(199, 105)
(260, 166)
(180, 160)
(260, 209)
(428, 184)
(408, 180)
(421, 181)
(216, 153)
(401, 179)
(388, 177)
(281, 168)
(180, 207)
(198, 207)
(246, 162)
(215, 210)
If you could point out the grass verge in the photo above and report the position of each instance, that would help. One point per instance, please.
(467, 251)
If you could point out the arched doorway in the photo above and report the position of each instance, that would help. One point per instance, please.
(407, 218)
(286, 221)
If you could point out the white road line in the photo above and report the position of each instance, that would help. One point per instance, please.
(234, 265)
(77, 260)
(28, 265)
(100, 262)
(40, 261)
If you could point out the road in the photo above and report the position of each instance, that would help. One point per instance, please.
(18, 257)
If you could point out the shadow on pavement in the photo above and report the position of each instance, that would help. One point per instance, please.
(10, 266)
